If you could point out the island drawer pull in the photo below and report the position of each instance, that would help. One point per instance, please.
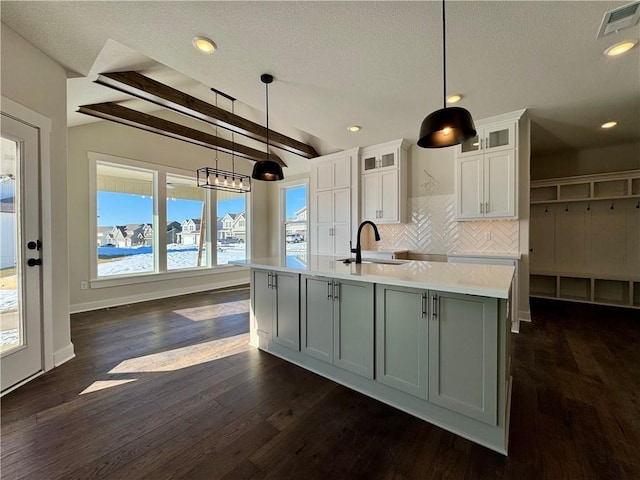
(336, 289)
(434, 313)
(269, 285)
(329, 285)
(424, 305)
(274, 280)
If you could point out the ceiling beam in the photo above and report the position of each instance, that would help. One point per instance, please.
(126, 116)
(148, 89)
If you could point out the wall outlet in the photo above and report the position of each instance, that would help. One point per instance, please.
(487, 235)
(84, 285)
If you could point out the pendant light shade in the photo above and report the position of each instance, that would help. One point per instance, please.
(447, 126)
(267, 170)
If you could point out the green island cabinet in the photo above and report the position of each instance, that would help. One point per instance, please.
(441, 347)
(337, 322)
(440, 356)
(275, 303)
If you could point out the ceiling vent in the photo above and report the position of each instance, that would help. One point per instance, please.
(619, 18)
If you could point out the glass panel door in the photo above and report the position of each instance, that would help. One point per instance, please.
(11, 327)
(20, 271)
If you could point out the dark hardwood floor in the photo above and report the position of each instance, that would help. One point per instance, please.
(170, 389)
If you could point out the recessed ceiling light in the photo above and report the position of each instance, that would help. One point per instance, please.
(454, 98)
(620, 48)
(354, 128)
(609, 125)
(204, 45)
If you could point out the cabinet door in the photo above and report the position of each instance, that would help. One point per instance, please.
(499, 136)
(471, 146)
(369, 160)
(401, 338)
(322, 175)
(262, 301)
(316, 317)
(388, 159)
(341, 228)
(389, 197)
(499, 184)
(286, 319)
(353, 327)
(469, 194)
(342, 172)
(322, 227)
(463, 355)
(370, 203)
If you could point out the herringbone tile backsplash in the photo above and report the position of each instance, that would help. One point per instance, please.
(432, 229)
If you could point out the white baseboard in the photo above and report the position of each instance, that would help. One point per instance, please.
(63, 355)
(145, 297)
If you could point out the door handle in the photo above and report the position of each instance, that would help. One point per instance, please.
(37, 245)
(424, 305)
(329, 285)
(336, 289)
(32, 262)
(269, 280)
(274, 281)
(486, 207)
(481, 208)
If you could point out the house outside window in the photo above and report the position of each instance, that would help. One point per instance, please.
(294, 219)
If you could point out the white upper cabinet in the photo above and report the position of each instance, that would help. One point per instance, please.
(384, 182)
(333, 202)
(487, 170)
(492, 138)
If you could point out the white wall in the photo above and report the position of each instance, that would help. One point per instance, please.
(34, 80)
(128, 142)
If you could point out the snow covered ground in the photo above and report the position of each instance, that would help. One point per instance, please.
(178, 256)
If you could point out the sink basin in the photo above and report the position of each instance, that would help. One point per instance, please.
(378, 261)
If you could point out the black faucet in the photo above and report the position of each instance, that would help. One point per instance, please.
(358, 249)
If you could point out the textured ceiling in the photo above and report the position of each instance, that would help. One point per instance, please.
(375, 64)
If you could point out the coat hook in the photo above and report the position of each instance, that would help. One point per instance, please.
(588, 207)
(546, 208)
(638, 204)
(611, 207)
(566, 208)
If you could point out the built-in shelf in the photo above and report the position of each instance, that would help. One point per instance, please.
(578, 287)
(609, 186)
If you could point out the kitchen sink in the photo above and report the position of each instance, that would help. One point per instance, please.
(378, 261)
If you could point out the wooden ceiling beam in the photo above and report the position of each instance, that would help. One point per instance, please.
(126, 116)
(150, 90)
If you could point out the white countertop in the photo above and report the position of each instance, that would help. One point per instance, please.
(506, 256)
(471, 279)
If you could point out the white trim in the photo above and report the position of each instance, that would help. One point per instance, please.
(43, 124)
(114, 302)
(524, 316)
(133, 279)
(64, 355)
(282, 210)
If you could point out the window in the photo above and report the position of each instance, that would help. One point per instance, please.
(231, 209)
(186, 223)
(125, 220)
(154, 220)
(294, 219)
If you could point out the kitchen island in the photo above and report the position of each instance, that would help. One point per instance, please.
(429, 338)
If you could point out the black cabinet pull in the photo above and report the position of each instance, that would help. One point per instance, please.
(32, 262)
(37, 245)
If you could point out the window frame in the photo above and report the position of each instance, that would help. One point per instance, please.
(160, 272)
(282, 230)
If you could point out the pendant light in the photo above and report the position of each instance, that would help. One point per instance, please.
(447, 126)
(267, 170)
(216, 179)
